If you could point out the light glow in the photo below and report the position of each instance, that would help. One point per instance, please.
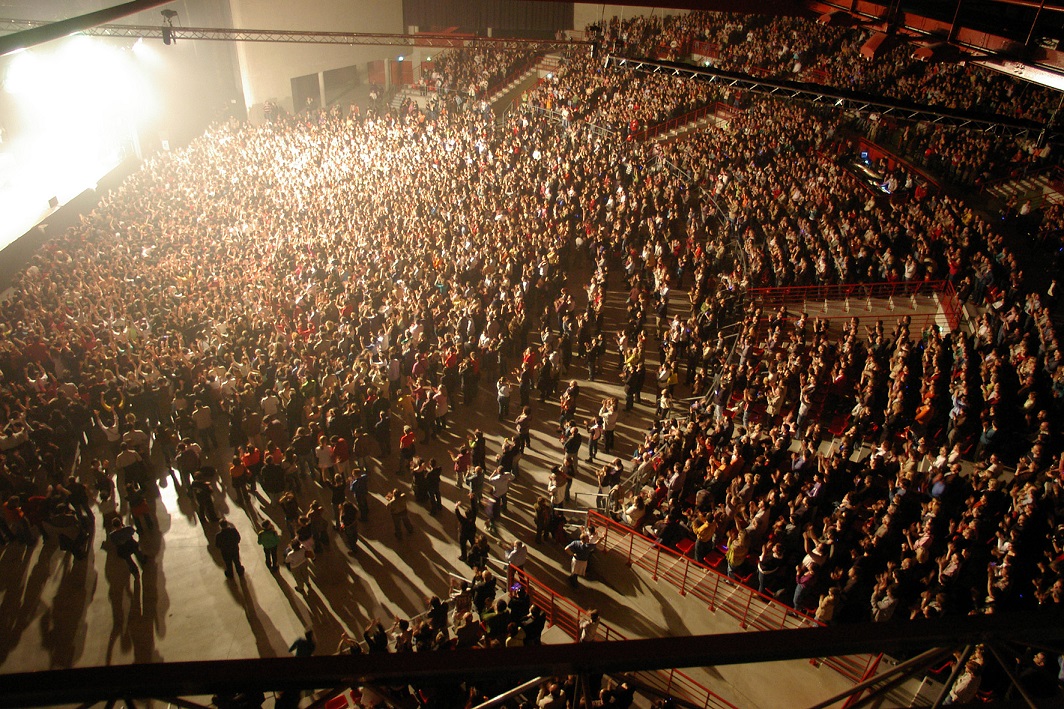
(78, 103)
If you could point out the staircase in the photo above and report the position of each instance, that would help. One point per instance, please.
(410, 93)
(708, 121)
(511, 92)
(1040, 188)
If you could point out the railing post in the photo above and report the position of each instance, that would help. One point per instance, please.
(631, 545)
(657, 558)
(746, 610)
(683, 581)
(713, 593)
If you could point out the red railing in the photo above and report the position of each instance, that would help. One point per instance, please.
(689, 117)
(726, 111)
(877, 151)
(753, 610)
(705, 49)
(899, 292)
(564, 614)
(870, 672)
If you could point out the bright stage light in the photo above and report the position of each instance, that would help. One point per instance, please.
(25, 72)
(79, 103)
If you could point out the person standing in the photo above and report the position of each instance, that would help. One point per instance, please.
(228, 542)
(203, 419)
(581, 550)
(524, 429)
(124, 539)
(296, 559)
(589, 626)
(349, 524)
(609, 414)
(269, 540)
(407, 449)
(400, 515)
(594, 434)
(203, 494)
(503, 389)
(432, 486)
(525, 385)
(467, 525)
(572, 442)
(360, 491)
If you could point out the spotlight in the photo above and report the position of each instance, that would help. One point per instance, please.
(401, 57)
(168, 26)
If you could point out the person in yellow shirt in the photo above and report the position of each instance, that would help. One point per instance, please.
(705, 529)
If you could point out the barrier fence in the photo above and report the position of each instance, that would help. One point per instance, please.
(903, 294)
(753, 610)
(562, 613)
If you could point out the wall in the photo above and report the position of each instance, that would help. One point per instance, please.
(585, 14)
(266, 69)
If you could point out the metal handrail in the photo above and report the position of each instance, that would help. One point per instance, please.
(561, 610)
(736, 602)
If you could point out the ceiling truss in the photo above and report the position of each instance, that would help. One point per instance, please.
(840, 98)
(442, 41)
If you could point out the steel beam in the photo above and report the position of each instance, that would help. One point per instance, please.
(839, 98)
(288, 673)
(219, 34)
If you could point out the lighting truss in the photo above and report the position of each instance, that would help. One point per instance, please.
(311, 37)
(842, 99)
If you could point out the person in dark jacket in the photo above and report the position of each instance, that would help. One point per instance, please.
(228, 542)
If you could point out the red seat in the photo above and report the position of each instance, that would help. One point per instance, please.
(684, 546)
(340, 701)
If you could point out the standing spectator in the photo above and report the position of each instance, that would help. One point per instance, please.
(518, 554)
(609, 414)
(543, 514)
(433, 475)
(296, 559)
(124, 540)
(400, 515)
(349, 524)
(269, 540)
(203, 495)
(571, 445)
(533, 625)
(503, 391)
(407, 449)
(580, 550)
(360, 491)
(524, 429)
(589, 626)
(203, 418)
(228, 542)
(467, 525)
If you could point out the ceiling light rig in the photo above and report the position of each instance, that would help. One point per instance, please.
(168, 26)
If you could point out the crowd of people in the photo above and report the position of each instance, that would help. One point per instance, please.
(803, 49)
(310, 300)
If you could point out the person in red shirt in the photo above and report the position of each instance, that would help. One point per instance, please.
(240, 476)
(341, 452)
(251, 458)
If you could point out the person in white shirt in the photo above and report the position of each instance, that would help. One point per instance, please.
(503, 389)
(518, 555)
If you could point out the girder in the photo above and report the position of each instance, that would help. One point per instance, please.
(841, 98)
(219, 34)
